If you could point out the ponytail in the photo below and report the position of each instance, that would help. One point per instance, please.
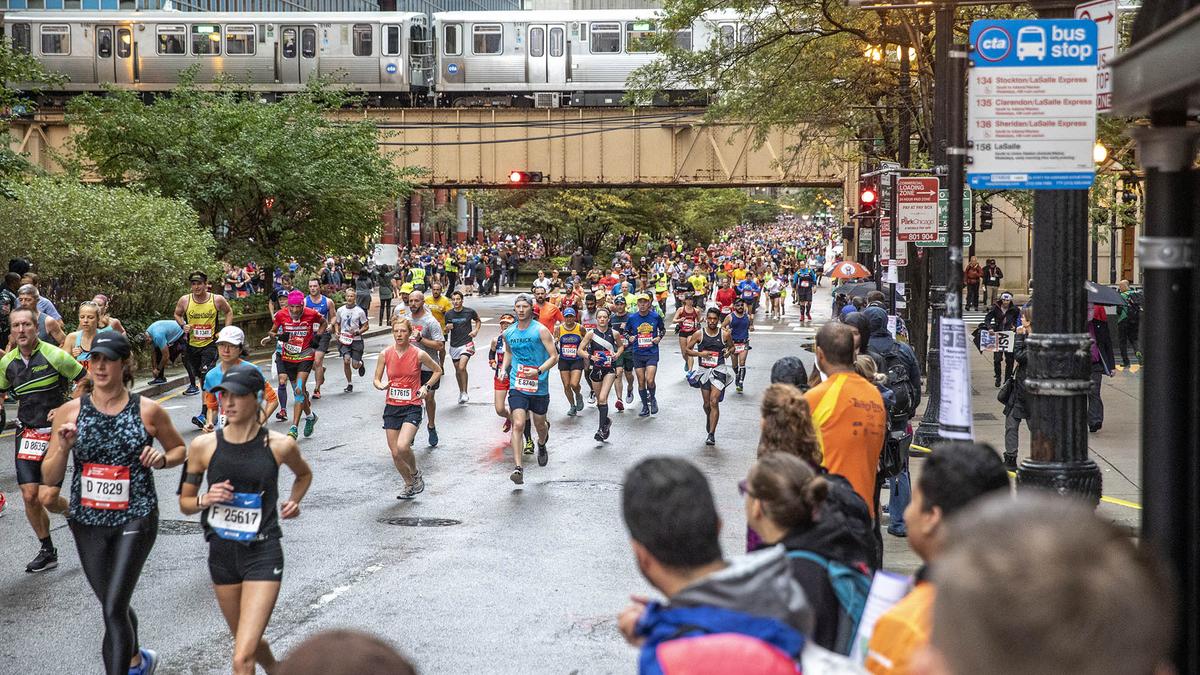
(790, 490)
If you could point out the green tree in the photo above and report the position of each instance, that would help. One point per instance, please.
(15, 100)
(88, 239)
(268, 180)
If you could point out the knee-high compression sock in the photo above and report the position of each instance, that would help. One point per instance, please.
(645, 394)
(603, 408)
(652, 390)
(529, 430)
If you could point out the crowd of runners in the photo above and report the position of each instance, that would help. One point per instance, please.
(601, 330)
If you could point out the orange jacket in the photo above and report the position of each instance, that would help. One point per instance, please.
(901, 631)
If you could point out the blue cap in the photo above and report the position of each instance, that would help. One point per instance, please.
(570, 311)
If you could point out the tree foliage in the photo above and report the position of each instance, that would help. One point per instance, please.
(88, 239)
(17, 67)
(267, 180)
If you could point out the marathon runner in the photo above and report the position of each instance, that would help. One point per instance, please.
(107, 321)
(749, 291)
(197, 312)
(351, 323)
(79, 342)
(114, 506)
(645, 330)
(529, 356)
(49, 329)
(278, 300)
(231, 351)
(36, 374)
(239, 512)
(739, 324)
(500, 380)
(427, 334)
(167, 338)
(588, 319)
(568, 337)
(603, 347)
(806, 279)
(438, 305)
(400, 372)
(624, 362)
(725, 296)
(687, 322)
(710, 345)
(464, 325)
(322, 305)
(296, 328)
(775, 291)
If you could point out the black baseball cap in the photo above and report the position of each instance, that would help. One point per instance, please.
(197, 276)
(242, 379)
(111, 345)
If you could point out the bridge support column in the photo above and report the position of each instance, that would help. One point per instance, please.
(414, 219)
(460, 232)
(441, 197)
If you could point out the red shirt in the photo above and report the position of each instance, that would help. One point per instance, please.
(725, 297)
(404, 376)
(610, 281)
(297, 334)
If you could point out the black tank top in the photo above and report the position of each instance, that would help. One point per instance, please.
(593, 347)
(251, 468)
(712, 343)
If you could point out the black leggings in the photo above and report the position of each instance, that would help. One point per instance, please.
(385, 311)
(112, 563)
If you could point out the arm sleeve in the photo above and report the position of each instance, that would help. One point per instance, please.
(65, 364)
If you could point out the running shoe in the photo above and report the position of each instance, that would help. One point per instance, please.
(739, 388)
(629, 396)
(293, 432)
(409, 491)
(199, 421)
(362, 370)
(3, 503)
(528, 446)
(461, 400)
(158, 380)
(620, 406)
(433, 437)
(607, 429)
(316, 394)
(507, 426)
(543, 455)
(653, 406)
(591, 398)
(192, 390)
(599, 434)
(418, 483)
(645, 410)
(281, 415)
(310, 423)
(349, 388)
(571, 411)
(517, 476)
(149, 663)
(711, 440)
(47, 559)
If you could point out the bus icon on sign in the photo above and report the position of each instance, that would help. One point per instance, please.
(1031, 43)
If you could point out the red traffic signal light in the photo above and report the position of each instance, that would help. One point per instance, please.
(523, 177)
(867, 196)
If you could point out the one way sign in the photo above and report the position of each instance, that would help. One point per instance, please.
(1104, 13)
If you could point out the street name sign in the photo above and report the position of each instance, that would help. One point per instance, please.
(916, 209)
(944, 218)
(1106, 16)
(1031, 115)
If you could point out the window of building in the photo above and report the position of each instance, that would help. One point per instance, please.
(391, 40)
(606, 38)
(104, 43)
(239, 40)
(308, 43)
(487, 39)
(56, 40)
(639, 37)
(21, 37)
(451, 40)
(556, 42)
(537, 41)
(362, 40)
(683, 40)
(171, 39)
(206, 39)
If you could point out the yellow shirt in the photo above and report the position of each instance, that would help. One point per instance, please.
(901, 631)
(698, 282)
(739, 274)
(202, 317)
(438, 307)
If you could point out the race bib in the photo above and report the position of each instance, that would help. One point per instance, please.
(527, 379)
(399, 396)
(34, 443)
(708, 361)
(739, 347)
(104, 487)
(804, 284)
(202, 332)
(221, 421)
(645, 341)
(346, 338)
(570, 351)
(688, 325)
(292, 347)
(239, 519)
(726, 310)
(606, 357)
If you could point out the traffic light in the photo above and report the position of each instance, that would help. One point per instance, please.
(985, 217)
(868, 195)
(523, 177)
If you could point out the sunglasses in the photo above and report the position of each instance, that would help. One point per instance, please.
(744, 488)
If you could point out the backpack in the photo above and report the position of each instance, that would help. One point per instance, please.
(898, 383)
(1133, 308)
(851, 588)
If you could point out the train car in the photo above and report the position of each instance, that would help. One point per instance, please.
(382, 53)
(549, 58)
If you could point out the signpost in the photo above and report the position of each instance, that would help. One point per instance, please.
(944, 218)
(1106, 16)
(916, 209)
(1031, 117)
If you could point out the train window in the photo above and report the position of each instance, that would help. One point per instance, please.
(728, 35)
(239, 40)
(537, 41)
(124, 43)
(556, 42)
(745, 35)
(288, 45)
(639, 36)
(606, 38)
(20, 37)
(206, 39)
(104, 43)
(56, 40)
(451, 43)
(171, 39)
(488, 39)
(308, 43)
(683, 40)
(391, 40)
(362, 40)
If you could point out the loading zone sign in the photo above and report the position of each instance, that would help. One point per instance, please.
(1031, 117)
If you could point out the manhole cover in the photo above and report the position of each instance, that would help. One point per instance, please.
(591, 485)
(986, 417)
(179, 527)
(420, 522)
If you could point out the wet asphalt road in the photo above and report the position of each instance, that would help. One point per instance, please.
(515, 579)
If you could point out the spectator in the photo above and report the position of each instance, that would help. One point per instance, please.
(331, 277)
(541, 281)
(848, 412)
(674, 528)
(1041, 586)
(1129, 320)
(1002, 316)
(363, 285)
(8, 302)
(1015, 399)
(954, 475)
(991, 281)
(384, 277)
(971, 277)
(345, 652)
(1102, 364)
(784, 498)
(790, 370)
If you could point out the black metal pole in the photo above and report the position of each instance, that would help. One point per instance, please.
(1059, 374)
(893, 243)
(1112, 234)
(903, 147)
(927, 432)
(956, 159)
